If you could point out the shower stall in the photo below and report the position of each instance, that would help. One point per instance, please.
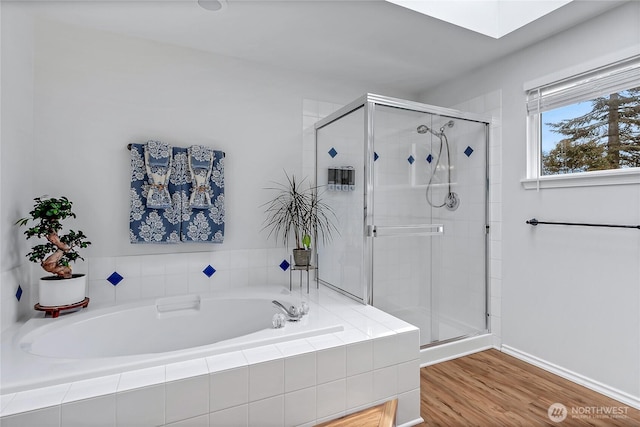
(408, 183)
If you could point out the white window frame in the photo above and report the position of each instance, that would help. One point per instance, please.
(568, 87)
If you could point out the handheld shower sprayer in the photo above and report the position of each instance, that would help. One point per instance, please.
(422, 129)
(451, 200)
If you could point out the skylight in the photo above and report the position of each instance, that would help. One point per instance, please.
(493, 18)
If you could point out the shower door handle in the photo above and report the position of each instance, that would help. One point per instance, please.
(405, 230)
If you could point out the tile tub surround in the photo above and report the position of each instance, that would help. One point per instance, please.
(299, 382)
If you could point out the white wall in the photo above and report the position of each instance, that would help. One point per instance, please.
(570, 296)
(16, 152)
(94, 92)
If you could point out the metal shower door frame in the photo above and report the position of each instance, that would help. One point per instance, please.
(369, 102)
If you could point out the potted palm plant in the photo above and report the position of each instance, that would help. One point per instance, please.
(297, 211)
(62, 287)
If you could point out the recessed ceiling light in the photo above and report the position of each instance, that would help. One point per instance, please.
(213, 4)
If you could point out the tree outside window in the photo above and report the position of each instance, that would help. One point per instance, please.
(600, 134)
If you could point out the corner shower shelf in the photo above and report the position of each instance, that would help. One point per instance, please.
(54, 311)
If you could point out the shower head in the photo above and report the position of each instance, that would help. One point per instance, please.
(423, 129)
(449, 124)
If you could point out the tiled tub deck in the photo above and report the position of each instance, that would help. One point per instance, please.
(293, 383)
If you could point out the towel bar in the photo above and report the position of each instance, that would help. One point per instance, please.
(535, 222)
(129, 148)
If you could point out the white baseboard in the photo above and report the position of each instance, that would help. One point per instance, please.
(453, 350)
(412, 423)
(620, 396)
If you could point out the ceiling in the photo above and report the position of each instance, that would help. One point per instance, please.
(374, 42)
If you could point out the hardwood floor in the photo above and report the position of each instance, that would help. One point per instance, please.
(491, 388)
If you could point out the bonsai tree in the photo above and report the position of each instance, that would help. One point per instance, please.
(297, 211)
(55, 255)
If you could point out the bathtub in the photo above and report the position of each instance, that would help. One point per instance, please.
(81, 345)
(134, 363)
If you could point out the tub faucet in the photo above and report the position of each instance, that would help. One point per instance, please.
(293, 313)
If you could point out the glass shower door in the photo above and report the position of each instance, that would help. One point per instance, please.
(402, 233)
(414, 238)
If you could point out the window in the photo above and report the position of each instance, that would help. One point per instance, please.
(587, 123)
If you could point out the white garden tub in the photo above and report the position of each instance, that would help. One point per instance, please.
(134, 364)
(93, 342)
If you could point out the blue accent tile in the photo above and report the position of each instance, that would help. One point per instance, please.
(429, 158)
(375, 156)
(19, 292)
(468, 151)
(411, 160)
(115, 278)
(208, 271)
(333, 152)
(284, 265)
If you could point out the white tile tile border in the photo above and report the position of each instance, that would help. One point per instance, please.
(266, 379)
(228, 388)
(360, 390)
(222, 362)
(385, 383)
(46, 417)
(267, 412)
(141, 406)
(359, 357)
(238, 416)
(201, 421)
(32, 400)
(186, 369)
(300, 372)
(128, 266)
(5, 399)
(294, 348)
(95, 411)
(187, 398)
(408, 376)
(331, 398)
(262, 354)
(101, 267)
(385, 351)
(91, 388)
(141, 378)
(300, 407)
(331, 364)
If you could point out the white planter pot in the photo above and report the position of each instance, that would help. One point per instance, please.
(54, 291)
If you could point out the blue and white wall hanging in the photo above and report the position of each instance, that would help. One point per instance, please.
(177, 194)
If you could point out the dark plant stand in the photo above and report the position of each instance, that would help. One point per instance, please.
(302, 268)
(54, 311)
